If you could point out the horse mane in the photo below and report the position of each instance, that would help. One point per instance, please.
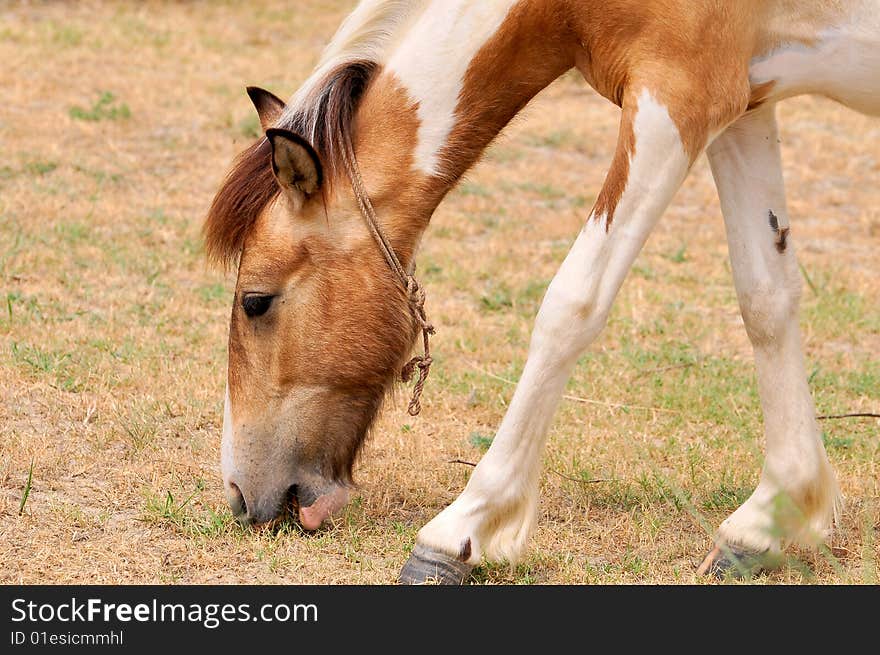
(248, 189)
(322, 112)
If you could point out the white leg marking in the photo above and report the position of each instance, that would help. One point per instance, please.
(497, 509)
(797, 496)
(431, 63)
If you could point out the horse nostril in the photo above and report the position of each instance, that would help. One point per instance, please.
(236, 501)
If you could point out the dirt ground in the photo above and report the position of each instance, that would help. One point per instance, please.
(117, 124)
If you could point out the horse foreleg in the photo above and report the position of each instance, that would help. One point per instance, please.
(797, 495)
(496, 513)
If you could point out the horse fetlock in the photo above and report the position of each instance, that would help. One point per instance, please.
(452, 533)
(470, 531)
(802, 509)
(750, 527)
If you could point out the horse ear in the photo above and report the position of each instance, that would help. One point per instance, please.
(268, 105)
(294, 162)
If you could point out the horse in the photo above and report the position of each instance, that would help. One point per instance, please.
(324, 216)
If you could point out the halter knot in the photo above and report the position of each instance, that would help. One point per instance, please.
(423, 363)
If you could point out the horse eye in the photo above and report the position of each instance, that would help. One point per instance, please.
(256, 305)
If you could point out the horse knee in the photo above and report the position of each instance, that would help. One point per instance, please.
(768, 309)
(570, 320)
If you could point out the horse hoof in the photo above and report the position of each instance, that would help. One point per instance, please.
(428, 566)
(733, 562)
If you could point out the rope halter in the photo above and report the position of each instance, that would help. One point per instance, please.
(414, 292)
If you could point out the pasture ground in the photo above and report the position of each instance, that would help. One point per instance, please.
(118, 122)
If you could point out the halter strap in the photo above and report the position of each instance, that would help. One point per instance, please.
(414, 292)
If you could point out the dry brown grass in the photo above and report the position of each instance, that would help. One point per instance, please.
(112, 330)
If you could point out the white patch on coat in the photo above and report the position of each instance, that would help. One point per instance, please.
(431, 62)
(366, 34)
(843, 65)
(227, 464)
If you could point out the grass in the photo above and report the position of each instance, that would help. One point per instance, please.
(50, 365)
(104, 108)
(113, 330)
(27, 489)
(186, 517)
(480, 441)
(250, 127)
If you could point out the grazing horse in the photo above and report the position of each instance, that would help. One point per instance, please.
(324, 216)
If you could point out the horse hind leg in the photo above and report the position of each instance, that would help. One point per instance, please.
(797, 497)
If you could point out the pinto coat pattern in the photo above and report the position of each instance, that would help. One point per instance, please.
(420, 89)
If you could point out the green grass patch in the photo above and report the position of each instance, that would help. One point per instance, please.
(216, 292)
(186, 516)
(555, 139)
(27, 488)
(52, 363)
(65, 35)
(547, 191)
(481, 441)
(40, 167)
(104, 108)
(97, 175)
(72, 232)
(250, 127)
(140, 430)
(529, 298)
(473, 189)
(497, 297)
(726, 496)
(22, 308)
(502, 572)
(837, 442)
(679, 256)
(840, 312)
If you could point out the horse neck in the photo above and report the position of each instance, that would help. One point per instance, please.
(458, 75)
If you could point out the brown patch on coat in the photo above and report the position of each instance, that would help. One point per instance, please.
(694, 60)
(618, 174)
(385, 132)
(692, 57)
(760, 93)
(781, 241)
(505, 74)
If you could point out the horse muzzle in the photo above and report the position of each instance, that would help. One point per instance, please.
(311, 506)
